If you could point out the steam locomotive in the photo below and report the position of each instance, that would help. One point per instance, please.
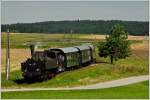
(46, 64)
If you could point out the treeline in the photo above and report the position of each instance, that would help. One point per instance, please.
(78, 26)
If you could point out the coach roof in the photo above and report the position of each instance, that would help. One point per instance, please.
(84, 47)
(67, 49)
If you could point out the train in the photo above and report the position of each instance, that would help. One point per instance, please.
(45, 64)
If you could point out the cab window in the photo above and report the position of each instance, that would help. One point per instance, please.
(51, 54)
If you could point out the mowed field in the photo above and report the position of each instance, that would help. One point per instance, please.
(16, 57)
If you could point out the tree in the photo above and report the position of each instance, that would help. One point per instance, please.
(116, 45)
(82, 26)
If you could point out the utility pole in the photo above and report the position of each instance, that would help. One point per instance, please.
(7, 57)
(71, 33)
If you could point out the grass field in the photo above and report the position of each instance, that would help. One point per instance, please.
(19, 44)
(23, 40)
(137, 64)
(130, 37)
(133, 91)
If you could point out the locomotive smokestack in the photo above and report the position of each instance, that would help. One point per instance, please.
(32, 48)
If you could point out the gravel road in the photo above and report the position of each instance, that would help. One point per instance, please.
(114, 83)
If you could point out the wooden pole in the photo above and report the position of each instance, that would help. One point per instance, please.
(7, 57)
(71, 33)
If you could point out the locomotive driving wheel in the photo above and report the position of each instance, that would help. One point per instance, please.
(43, 77)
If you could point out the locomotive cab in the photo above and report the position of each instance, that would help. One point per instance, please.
(54, 60)
(50, 60)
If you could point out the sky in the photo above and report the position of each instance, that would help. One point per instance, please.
(38, 11)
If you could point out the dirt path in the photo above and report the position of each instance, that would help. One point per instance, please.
(114, 83)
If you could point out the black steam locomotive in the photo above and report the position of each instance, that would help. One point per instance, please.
(45, 64)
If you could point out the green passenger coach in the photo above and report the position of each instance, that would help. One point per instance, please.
(71, 56)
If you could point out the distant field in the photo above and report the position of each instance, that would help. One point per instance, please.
(23, 40)
(130, 37)
(133, 91)
(16, 57)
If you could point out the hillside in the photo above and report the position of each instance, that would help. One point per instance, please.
(78, 26)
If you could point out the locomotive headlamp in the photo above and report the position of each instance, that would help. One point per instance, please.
(25, 70)
(34, 64)
(37, 69)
